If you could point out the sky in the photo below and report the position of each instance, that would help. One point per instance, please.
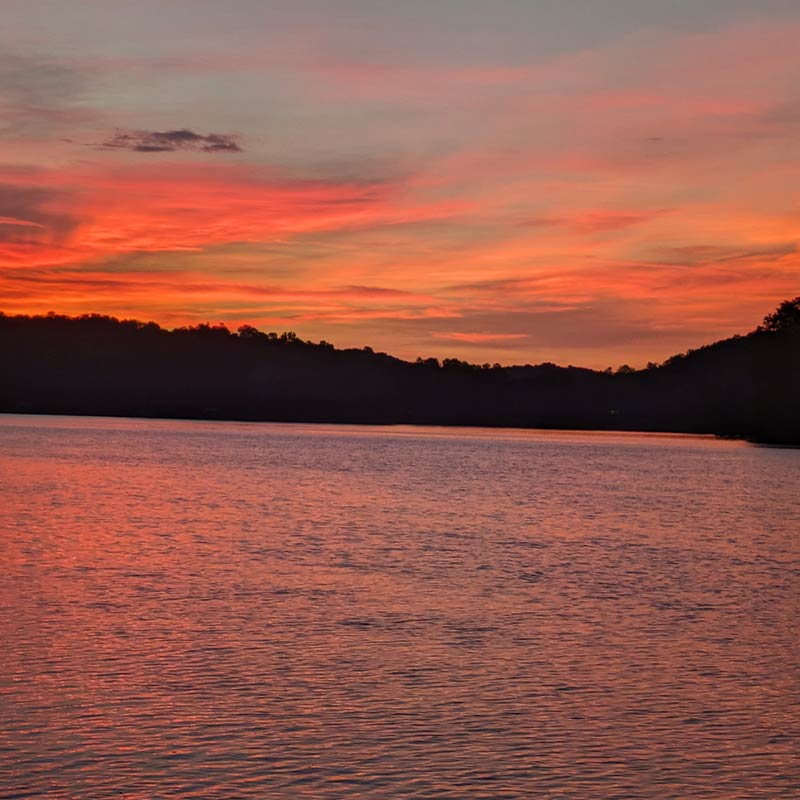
(515, 181)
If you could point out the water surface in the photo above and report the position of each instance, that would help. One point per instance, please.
(223, 610)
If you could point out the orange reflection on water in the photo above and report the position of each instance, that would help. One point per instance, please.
(221, 609)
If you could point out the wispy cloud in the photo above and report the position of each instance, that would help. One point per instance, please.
(703, 254)
(40, 97)
(170, 141)
(27, 216)
(599, 221)
(480, 338)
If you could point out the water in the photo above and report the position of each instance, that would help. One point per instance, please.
(222, 610)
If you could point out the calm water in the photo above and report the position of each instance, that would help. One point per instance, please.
(221, 610)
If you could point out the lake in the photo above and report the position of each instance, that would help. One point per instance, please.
(225, 610)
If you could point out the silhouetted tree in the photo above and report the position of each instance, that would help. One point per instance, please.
(785, 317)
(93, 364)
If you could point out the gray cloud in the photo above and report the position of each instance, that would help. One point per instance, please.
(39, 96)
(170, 141)
(24, 215)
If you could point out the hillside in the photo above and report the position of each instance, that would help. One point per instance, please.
(744, 386)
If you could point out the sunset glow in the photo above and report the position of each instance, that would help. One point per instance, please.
(514, 181)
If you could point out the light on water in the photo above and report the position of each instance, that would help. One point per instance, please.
(220, 610)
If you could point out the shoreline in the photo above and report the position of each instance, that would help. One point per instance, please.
(747, 439)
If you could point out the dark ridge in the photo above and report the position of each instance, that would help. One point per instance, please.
(747, 386)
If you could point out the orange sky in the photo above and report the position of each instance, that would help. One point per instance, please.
(516, 182)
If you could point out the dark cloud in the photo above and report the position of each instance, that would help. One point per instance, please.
(170, 141)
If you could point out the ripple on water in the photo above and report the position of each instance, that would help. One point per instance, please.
(194, 610)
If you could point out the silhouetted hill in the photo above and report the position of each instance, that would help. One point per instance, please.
(745, 386)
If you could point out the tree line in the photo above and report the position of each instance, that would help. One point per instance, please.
(745, 386)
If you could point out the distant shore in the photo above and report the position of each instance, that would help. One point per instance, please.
(432, 426)
(746, 387)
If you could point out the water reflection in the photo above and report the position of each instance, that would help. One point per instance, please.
(217, 610)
